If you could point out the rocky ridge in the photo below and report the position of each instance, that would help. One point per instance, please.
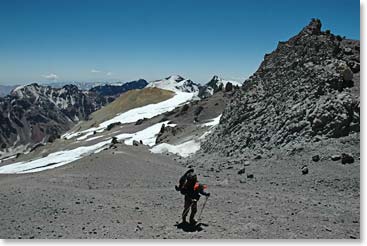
(306, 90)
(217, 84)
(36, 114)
(115, 90)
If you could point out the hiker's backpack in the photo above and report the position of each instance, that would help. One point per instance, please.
(186, 180)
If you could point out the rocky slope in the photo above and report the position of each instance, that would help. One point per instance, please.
(36, 114)
(306, 90)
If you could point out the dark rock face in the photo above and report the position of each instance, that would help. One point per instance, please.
(304, 91)
(116, 90)
(33, 114)
(166, 132)
(215, 85)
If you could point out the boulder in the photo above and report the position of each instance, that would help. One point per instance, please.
(348, 51)
(242, 171)
(140, 121)
(113, 125)
(347, 158)
(304, 170)
(136, 143)
(114, 140)
(316, 158)
(258, 157)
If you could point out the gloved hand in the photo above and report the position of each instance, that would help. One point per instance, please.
(208, 194)
(177, 188)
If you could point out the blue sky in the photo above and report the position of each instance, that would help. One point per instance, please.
(124, 40)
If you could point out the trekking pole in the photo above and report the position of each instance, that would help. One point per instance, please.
(206, 199)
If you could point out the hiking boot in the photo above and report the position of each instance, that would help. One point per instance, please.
(193, 222)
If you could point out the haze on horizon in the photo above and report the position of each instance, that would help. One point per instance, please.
(46, 41)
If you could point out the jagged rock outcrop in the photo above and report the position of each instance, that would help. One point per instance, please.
(217, 84)
(33, 114)
(305, 90)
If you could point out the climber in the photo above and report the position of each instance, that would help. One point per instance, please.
(191, 188)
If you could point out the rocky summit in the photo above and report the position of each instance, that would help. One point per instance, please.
(306, 90)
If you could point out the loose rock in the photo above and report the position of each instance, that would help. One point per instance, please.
(347, 159)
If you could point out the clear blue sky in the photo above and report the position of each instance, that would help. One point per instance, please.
(107, 40)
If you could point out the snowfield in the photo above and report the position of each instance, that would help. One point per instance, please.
(148, 136)
(148, 111)
(60, 158)
(189, 147)
(185, 149)
(213, 122)
(53, 160)
(176, 84)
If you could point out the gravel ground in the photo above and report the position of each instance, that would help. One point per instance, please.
(127, 192)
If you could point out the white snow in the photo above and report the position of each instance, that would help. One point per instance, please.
(93, 138)
(60, 158)
(85, 136)
(189, 147)
(185, 149)
(175, 83)
(148, 111)
(53, 160)
(213, 122)
(8, 158)
(148, 135)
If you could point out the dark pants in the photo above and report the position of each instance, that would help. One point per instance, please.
(189, 202)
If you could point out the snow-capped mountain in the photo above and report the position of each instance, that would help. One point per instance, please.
(33, 114)
(84, 86)
(175, 83)
(217, 84)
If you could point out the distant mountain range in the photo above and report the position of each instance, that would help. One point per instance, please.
(117, 89)
(33, 114)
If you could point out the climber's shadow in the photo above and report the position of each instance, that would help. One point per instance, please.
(187, 227)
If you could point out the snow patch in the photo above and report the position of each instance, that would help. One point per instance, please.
(148, 111)
(176, 84)
(213, 122)
(60, 158)
(93, 138)
(185, 149)
(53, 160)
(148, 136)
